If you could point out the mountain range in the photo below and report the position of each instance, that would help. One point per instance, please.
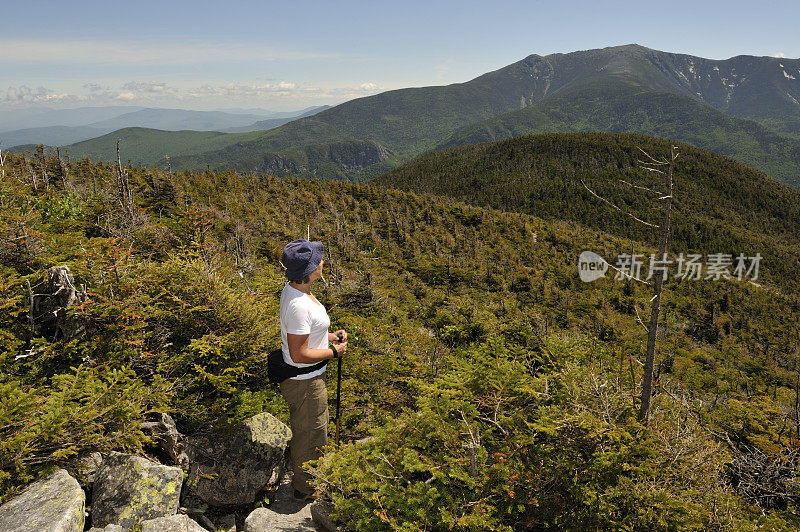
(744, 107)
(69, 126)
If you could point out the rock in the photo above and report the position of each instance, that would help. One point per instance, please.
(233, 470)
(172, 523)
(163, 430)
(321, 514)
(108, 528)
(49, 306)
(261, 520)
(84, 469)
(227, 523)
(52, 504)
(129, 489)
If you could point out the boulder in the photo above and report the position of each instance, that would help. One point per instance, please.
(84, 469)
(108, 528)
(321, 514)
(129, 490)
(262, 520)
(233, 470)
(227, 523)
(172, 523)
(52, 504)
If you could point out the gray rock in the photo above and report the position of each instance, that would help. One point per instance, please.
(84, 469)
(108, 528)
(129, 490)
(233, 470)
(262, 520)
(227, 523)
(52, 504)
(321, 514)
(172, 523)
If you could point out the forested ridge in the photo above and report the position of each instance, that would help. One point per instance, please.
(719, 205)
(497, 389)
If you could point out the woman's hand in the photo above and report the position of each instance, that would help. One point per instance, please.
(334, 337)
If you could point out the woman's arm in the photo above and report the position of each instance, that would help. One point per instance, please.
(301, 354)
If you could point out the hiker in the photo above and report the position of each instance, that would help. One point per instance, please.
(305, 342)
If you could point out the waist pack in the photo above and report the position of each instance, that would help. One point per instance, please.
(278, 370)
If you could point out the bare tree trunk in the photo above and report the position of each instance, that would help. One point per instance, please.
(2, 161)
(125, 193)
(647, 380)
(43, 165)
(33, 174)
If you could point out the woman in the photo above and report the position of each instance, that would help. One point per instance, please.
(305, 339)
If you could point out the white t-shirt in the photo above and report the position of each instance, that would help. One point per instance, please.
(302, 315)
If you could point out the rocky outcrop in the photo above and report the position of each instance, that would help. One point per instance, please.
(233, 470)
(48, 312)
(52, 504)
(129, 490)
(172, 523)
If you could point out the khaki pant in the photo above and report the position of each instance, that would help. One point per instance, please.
(308, 415)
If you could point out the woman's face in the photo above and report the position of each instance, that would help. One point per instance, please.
(316, 274)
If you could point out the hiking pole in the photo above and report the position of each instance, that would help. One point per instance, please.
(338, 393)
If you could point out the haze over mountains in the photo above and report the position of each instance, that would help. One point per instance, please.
(67, 126)
(744, 107)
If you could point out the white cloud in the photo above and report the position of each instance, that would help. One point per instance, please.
(33, 51)
(281, 93)
(93, 87)
(157, 87)
(780, 55)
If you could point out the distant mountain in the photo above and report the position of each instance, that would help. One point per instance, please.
(624, 106)
(630, 88)
(273, 122)
(51, 135)
(177, 120)
(411, 121)
(36, 117)
(146, 146)
(118, 118)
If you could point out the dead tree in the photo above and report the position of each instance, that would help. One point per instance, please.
(63, 167)
(124, 192)
(42, 158)
(2, 161)
(663, 168)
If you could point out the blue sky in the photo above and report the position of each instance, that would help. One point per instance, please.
(292, 54)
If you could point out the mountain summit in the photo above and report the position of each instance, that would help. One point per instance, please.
(744, 107)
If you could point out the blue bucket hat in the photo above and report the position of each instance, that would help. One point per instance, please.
(301, 257)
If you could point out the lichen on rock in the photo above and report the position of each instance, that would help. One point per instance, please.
(52, 504)
(172, 523)
(129, 490)
(233, 470)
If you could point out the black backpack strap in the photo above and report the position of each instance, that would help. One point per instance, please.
(278, 370)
